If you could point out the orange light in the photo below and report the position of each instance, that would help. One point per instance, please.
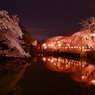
(44, 59)
(92, 81)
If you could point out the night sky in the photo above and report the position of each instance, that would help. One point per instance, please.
(48, 18)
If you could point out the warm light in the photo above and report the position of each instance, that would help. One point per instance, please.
(61, 68)
(66, 65)
(59, 59)
(77, 64)
(92, 81)
(48, 59)
(89, 46)
(52, 60)
(45, 47)
(52, 45)
(44, 59)
(83, 65)
(79, 47)
(49, 45)
(59, 45)
(54, 63)
(83, 77)
(44, 44)
(58, 64)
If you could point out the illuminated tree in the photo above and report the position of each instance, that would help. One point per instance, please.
(15, 68)
(11, 36)
(89, 24)
(26, 38)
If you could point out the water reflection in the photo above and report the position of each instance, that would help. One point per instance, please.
(15, 79)
(79, 70)
(11, 70)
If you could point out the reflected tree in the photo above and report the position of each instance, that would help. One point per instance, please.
(79, 70)
(11, 71)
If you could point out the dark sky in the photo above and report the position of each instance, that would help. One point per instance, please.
(48, 18)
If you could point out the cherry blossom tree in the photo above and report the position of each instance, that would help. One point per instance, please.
(11, 36)
(89, 24)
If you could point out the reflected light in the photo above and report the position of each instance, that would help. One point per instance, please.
(79, 70)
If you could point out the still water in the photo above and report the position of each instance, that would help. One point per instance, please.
(47, 76)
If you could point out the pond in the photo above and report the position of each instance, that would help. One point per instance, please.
(47, 76)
